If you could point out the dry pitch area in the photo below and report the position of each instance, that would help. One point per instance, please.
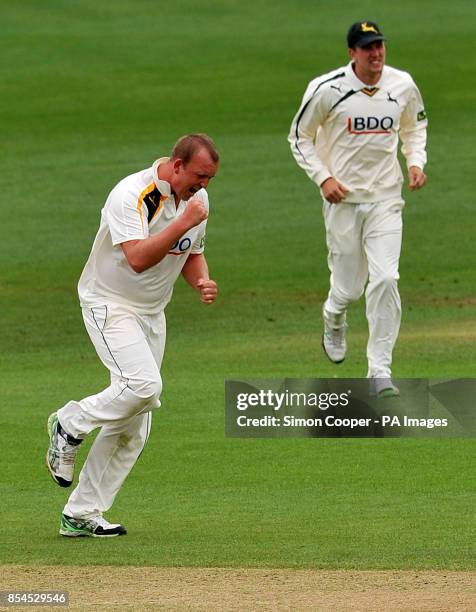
(221, 589)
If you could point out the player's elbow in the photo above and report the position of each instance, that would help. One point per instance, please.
(138, 266)
(293, 141)
(139, 257)
(136, 263)
(134, 256)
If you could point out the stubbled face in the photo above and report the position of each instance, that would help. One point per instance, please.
(188, 178)
(369, 61)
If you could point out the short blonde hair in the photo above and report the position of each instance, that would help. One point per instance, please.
(188, 145)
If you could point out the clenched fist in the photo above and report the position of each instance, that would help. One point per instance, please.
(416, 178)
(195, 213)
(208, 290)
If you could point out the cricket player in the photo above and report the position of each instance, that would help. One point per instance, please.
(152, 229)
(345, 136)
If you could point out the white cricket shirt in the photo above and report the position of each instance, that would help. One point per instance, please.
(348, 130)
(139, 206)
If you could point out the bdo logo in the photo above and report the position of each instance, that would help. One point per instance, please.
(181, 246)
(369, 125)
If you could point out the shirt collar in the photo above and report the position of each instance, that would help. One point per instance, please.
(162, 186)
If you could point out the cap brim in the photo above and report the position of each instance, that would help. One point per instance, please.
(363, 42)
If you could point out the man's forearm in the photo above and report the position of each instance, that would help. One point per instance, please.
(143, 254)
(195, 268)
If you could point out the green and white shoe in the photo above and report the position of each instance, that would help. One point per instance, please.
(383, 387)
(61, 453)
(96, 527)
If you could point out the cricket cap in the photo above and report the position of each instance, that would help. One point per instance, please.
(363, 33)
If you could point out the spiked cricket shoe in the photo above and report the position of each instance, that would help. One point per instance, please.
(61, 453)
(333, 339)
(96, 527)
(383, 387)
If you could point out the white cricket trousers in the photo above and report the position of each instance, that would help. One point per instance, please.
(364, 243)
(131, 346)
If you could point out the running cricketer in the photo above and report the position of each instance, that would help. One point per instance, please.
(152, 229)
(345, 136)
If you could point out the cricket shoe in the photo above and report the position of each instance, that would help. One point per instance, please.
(96, 527)
(61, 453)
(383, 387)
(333, 340)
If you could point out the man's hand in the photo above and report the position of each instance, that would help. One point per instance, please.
(416, 178)
(208, 290)
(195, 213)
(333, 191)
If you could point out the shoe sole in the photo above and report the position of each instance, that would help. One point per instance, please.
(88, 534)
(59, 481)
(389, 393)
(327, 354)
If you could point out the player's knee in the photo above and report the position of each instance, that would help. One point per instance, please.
(387, 281)
(350, 294)
(354, 294)
(146, 390)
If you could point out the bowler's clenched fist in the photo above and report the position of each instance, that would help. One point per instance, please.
(195, 212)
(416, 178)
(208, 290)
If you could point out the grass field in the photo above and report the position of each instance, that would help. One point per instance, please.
(93, 91)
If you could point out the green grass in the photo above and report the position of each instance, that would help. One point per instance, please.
(92, 91)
